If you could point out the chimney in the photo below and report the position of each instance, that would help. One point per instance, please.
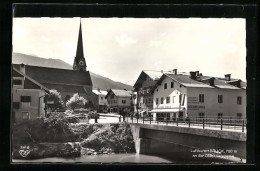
(228, 77)
(22, 68)
(211, 82)
(193, 75)
(174, 71)
(161, 71)
(197, 73)
(200, 74)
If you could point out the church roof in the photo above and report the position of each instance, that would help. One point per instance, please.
(65, 88)
(56, 75)
(79, 52)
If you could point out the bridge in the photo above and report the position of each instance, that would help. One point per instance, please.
(214, 137)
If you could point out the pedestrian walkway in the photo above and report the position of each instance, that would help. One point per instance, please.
(200, 125)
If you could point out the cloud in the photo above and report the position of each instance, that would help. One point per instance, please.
(45, 39)
(67, 45)
(125, 40)
(155, 43)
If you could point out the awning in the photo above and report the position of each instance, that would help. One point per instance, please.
(166, 110)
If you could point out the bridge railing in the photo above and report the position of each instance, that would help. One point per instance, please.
(209, 122)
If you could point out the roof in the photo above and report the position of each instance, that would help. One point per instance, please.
(99, 92)
(154, 75)
(66, 88)
(186, 81)
(31, 79)
(56, 75)
(79, 52)
(120, 93)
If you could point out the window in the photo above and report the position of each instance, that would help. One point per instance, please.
(172, 84)
(165, 85)
(167, 99)
(157, 89)
(239, 115)
(201, 115)
(162, 100)
(101, 98)
(173, 99)
(157, 101)
(239, 100)
(25, 98)
(17, 82)
(201, 98)
(124, 101)
(220, 115)
(220, 99)
(150, 100)
(25, 116)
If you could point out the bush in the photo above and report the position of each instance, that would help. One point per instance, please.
(117, 137)
(54, 96)
(76, 102)
(55, 128)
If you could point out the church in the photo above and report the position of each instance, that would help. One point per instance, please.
(67, 82)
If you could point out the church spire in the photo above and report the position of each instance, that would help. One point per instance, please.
(79, 61)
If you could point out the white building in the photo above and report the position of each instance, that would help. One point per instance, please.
(99, 100)
(120, 100)
(194, 95)
(27, 96)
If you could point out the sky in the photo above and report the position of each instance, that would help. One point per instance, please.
(120, 48)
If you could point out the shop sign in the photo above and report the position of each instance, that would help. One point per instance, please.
(192, 99)
(195, 107)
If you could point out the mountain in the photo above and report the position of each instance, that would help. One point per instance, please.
(98, 81)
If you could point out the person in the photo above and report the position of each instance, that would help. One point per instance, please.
(187, 118)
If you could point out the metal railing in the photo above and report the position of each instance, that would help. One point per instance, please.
(209, 122)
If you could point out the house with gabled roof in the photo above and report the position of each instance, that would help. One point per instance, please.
(146, 80)
(28, 97)
(120, 100)
(100, 102)
(181, 95)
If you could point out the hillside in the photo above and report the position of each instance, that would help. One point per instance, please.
(98, 81)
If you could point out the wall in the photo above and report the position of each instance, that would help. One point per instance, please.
(169, 92)
(102, 101)
(160, 139)
(33, 107)
(143, 99)
(229, 107)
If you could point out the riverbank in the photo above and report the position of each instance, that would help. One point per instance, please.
(57, 137)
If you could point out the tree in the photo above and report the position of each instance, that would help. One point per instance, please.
(53, 100)
(76, 102)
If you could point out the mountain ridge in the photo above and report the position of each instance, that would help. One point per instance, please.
(98, 81)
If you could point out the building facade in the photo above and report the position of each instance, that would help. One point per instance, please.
(100, 102)
(120, 101)
(194, 95)
(142, 87)
(28, 98)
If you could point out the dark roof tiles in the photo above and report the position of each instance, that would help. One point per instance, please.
(56, 75)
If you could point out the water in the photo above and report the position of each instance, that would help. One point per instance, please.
(134, 158)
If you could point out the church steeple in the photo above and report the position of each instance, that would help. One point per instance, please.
(79, 61)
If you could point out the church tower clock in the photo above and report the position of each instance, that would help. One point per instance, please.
(79, 61)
